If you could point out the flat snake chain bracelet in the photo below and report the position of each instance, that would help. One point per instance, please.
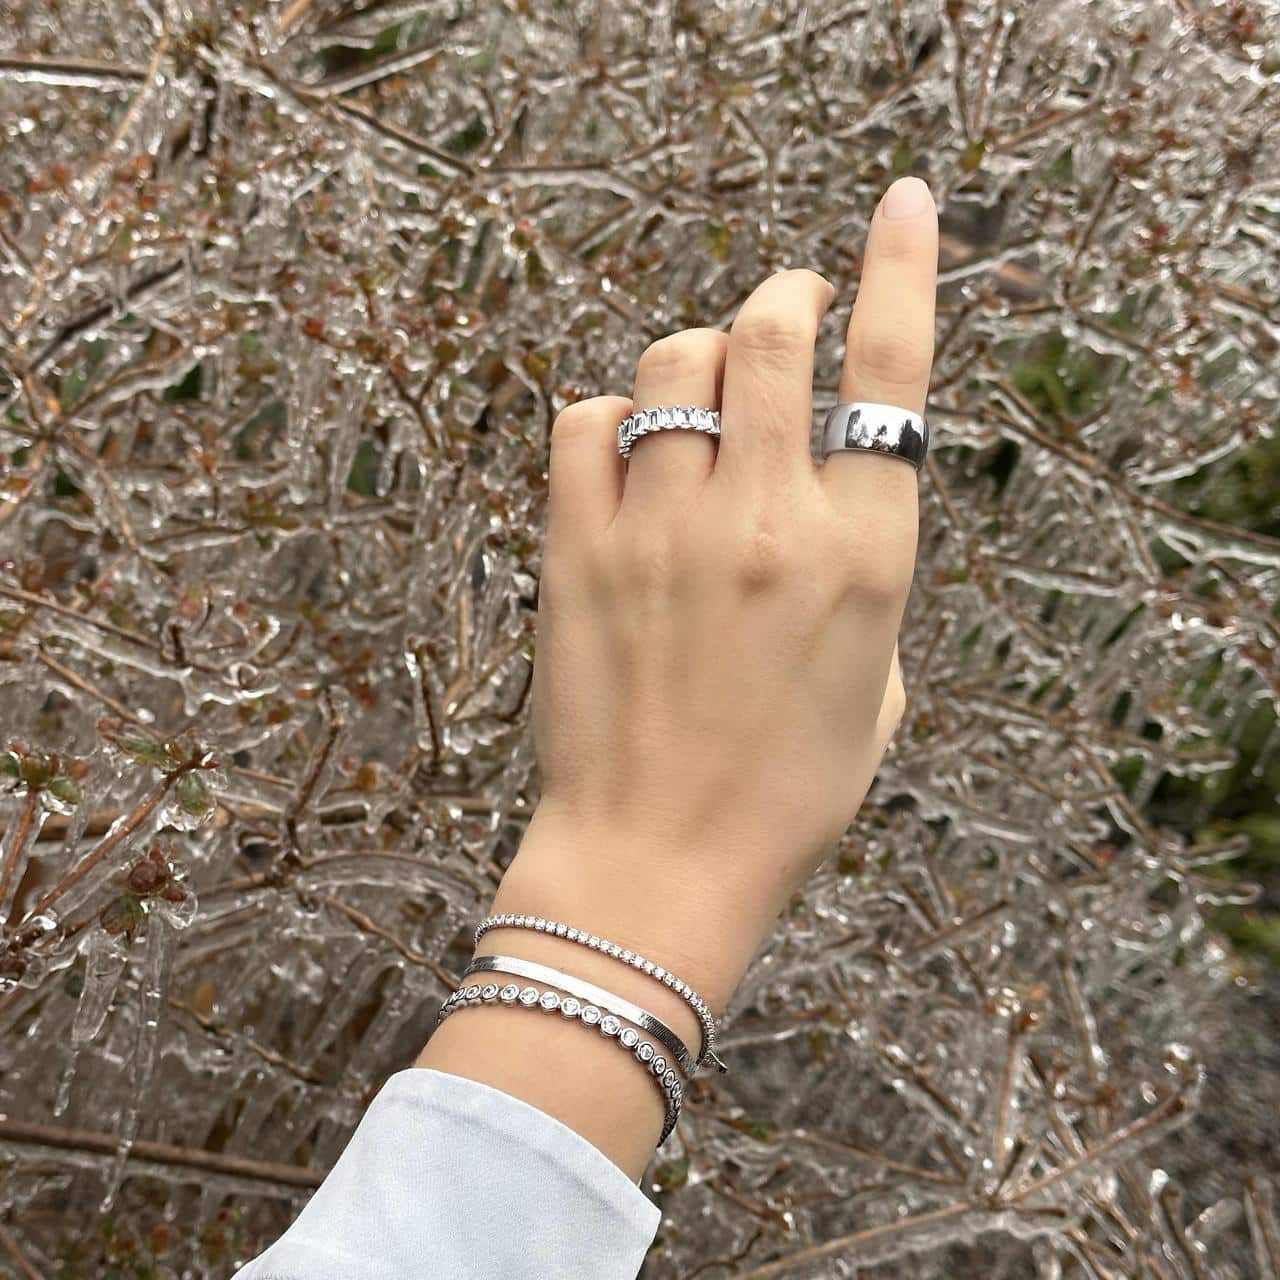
(659, 974)
(608, 1024)
(592, 994)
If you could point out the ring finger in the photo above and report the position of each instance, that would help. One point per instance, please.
(685, 368)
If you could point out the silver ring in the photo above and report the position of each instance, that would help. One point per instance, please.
(882, 428)
(685, 417)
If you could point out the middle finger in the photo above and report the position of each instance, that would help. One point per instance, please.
(767, 401)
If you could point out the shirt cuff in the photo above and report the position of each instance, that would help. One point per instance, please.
(544, 1141)
(445, 1175)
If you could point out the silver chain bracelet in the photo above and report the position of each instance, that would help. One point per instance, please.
(636, 961)
(608, 1024)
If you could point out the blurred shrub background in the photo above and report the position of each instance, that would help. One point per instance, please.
(289, 297)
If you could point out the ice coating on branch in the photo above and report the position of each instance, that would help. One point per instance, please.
(289, 297)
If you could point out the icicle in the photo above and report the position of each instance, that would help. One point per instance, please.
(151, 992)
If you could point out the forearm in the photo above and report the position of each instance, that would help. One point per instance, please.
(600, 882)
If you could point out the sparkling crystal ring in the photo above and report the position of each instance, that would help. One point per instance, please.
(883, 428)
(686, 417)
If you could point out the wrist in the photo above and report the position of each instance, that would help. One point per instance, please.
(635, 891)
(642, 893)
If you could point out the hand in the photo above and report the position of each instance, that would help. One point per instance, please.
(716, 674)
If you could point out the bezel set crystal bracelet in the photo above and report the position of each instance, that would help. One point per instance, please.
(591, 1015)
(592, 994)
(664, 1061)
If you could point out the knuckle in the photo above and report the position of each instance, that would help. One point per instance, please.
(688, 351)
(763, 556)
(892, 356)
(800, 280)
(765, 331)
(878, 585)
(582, 418)
(877, 577)
(814, 277)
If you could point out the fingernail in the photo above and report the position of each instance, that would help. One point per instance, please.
(906, 198)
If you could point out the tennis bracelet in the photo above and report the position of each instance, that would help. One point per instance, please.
(637, 961)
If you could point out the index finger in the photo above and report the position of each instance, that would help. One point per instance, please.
(889, 350)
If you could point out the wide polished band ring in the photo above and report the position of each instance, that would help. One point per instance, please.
(882, 428)
(686, 417)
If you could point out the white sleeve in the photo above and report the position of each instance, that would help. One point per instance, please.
(445, 1176)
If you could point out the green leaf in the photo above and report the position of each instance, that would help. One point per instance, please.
(189, 387)
(122, 914)
(65, 790)
(672, 1173)
(721, 241)
(35, 771)
(1258, 935)
(193, 795)
(751, 1128)
(364, 469)
(820, 1045)
(971, 156)
(144, 749)
(468, 138)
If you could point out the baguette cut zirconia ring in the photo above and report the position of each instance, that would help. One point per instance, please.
(882, 428)
(686, 417)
